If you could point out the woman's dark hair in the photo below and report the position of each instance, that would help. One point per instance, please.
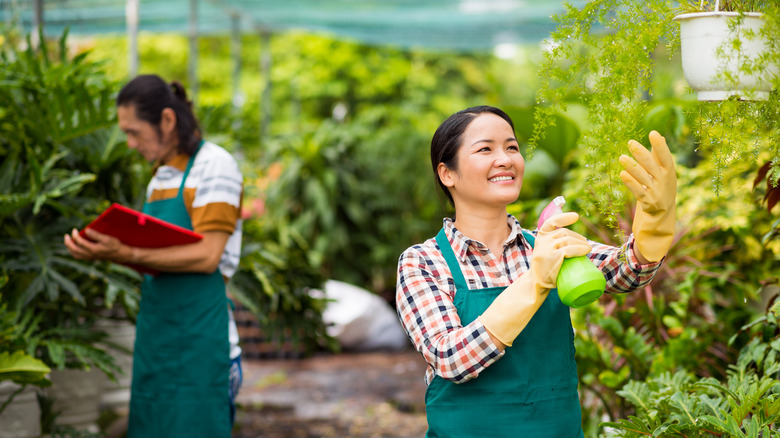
(447, 139)
(150, 95)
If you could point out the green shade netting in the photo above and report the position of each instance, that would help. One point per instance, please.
(448, 24)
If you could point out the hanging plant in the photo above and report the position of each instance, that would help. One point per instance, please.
(605, 54)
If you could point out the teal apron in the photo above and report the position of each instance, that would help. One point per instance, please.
(181, 361)
(530, 392)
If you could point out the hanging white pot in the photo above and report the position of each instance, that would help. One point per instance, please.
(703, 35)
(22, 417)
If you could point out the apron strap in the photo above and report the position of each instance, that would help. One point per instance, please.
(452, 261)
(529, 237)
(187, 171)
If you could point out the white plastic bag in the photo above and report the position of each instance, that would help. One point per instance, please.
(361, 320)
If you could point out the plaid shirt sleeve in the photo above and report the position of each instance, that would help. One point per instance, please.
(424, 297)
(621, 267)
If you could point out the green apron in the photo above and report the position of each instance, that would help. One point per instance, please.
(181, 361)
(530, 392)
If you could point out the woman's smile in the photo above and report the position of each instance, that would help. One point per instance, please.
(502, 178)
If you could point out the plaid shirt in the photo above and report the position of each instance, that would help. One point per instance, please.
(425, 292)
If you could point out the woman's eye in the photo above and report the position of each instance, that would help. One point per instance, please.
(514, 147)
(484, 149)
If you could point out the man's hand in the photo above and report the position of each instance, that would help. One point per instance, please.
(99, 246)
(652, 179)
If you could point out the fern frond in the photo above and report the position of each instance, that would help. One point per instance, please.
(632, 424)
(638, 394)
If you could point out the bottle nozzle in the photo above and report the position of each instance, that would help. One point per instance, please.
(552, 209)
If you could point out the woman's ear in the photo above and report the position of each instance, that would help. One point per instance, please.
(446, 175)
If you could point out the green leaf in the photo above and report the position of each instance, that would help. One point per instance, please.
(23, 369)
(612, 379)
(70, 185)
(638, 394)
(686, 407)
(630, 424)
(67, 285)
(713, 405)
(56, 352)
(718, 423)
(11, 203)
(668, 118)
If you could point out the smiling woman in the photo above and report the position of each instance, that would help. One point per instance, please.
(479, 301)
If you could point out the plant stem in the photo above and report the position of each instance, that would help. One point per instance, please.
(11, 398)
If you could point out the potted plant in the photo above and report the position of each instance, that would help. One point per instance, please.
(721, 48)
(617, 59)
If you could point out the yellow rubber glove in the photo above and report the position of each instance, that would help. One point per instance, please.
(511, 311)
(652, 179)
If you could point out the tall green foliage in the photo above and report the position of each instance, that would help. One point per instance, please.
(358, 187)
(62, 164)
(613, 57)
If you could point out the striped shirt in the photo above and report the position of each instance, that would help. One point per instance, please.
(212, 196)
(425, 292)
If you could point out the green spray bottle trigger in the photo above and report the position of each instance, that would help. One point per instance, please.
(579, 281)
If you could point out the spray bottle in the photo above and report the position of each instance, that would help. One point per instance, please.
(580, 282)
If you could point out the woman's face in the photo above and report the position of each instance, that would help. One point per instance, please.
(490, 167)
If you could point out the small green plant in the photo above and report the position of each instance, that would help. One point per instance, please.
(746, 404)
(16, 364)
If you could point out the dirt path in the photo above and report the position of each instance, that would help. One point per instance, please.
(346, 395)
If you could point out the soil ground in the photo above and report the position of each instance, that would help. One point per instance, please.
(360, 395)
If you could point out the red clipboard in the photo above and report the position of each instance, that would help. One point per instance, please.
(134, 228)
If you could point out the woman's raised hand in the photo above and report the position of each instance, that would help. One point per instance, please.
(652, 179)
